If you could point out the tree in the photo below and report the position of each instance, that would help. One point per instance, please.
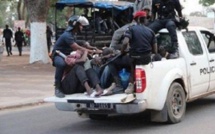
(206, 2)
(51, 13)
(37, 11)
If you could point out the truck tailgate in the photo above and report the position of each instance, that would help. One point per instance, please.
(117, 103)
(80, 97)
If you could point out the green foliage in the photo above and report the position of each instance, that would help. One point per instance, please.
(7, 13)
(51, 15)
(206, 2)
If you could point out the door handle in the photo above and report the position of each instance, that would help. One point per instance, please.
(193, 63)
(212, 60)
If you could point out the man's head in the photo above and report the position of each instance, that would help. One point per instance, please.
(147, 9)
(140, 16)
(76, 23)
(6, 26)
(107, 51)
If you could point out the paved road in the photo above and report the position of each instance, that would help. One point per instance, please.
(45, 119)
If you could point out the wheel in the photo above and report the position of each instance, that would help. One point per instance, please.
(98, 116)
(176, 103)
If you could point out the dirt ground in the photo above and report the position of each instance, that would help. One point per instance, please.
(21, 64)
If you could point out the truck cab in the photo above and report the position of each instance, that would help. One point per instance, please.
(162, 87)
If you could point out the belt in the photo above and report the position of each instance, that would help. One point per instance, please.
(165, 17)
(140, 55)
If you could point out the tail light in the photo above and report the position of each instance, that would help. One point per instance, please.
(140, 78)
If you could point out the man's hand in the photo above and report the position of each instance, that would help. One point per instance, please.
(97, 61)
(97, 51)
(70, 61)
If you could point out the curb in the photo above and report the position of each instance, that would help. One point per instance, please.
(33, 103)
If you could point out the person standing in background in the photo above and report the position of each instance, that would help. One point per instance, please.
(19, 38)
(8, 34)
(48, 37)
(140, 4)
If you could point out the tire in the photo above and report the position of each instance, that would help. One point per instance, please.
(176, 103)
(98, 116)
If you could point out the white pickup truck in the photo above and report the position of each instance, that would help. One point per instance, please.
(162, 87)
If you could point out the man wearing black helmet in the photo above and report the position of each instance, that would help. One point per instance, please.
(165, 11)
(67, 43)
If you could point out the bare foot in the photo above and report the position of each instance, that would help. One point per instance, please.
(89, 92)
(111, 87)
(108, 91)
(99, 92)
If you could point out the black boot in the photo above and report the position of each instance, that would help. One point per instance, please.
(58, 91)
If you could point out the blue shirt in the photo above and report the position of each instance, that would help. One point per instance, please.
(141, 39)
(64, 42)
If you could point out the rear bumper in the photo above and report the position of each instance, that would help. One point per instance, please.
(128, 108)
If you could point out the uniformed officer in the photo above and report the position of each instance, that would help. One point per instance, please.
(142, 42)
(165, 11)
(66, 44)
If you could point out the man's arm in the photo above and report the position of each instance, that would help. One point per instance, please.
(11, 33)
(155, 48)
(3, 36)
(83, 57)
(87, 45)
(95, 49)
(178, 8)
(135, 6)
(127, 36)
(75, 46)
(154, 11)
(125, 43)
(154, 45)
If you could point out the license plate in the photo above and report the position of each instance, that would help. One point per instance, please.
(100, 106)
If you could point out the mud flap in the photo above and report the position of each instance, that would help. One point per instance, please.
(159, 116)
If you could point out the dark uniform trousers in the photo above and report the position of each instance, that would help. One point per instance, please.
(171, 27)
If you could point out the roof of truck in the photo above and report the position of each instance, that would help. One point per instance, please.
(119, 5)
(164, 30)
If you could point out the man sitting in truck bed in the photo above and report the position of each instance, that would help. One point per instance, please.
(142, 42)
(143, 51)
